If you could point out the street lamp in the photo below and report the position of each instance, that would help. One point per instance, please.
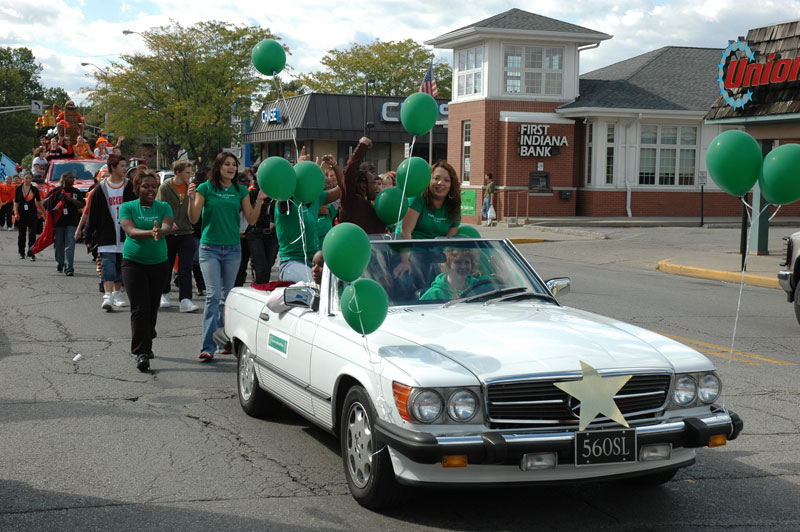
(105, 118)
(366, 93)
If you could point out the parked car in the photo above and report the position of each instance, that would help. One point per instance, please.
(789, 278)
(165, 174)
(457, 390)
(85, 171)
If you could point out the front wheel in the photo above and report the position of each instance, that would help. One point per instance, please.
(368, 470)
(255, 401)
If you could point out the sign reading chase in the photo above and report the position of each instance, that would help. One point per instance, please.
(271, 115)
(390, 112)
(534, 141)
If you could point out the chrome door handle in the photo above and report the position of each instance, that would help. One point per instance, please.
(264, 316)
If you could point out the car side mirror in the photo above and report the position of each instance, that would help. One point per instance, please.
(559, 285)
(301, 296)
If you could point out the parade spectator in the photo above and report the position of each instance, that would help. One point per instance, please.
(103, 229)
(218, 202)
(197, 232)
(488, 195)
(145, 268)
(328, 213)
(359, 188)
(180, 242)
(67, 222)
(390, 179)
(7, 204)
(39, 165)
(244, 180)
(262, 239)
(82, 149)
(27, 204)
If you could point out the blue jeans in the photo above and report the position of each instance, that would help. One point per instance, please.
(487, 202)
(110, 267)
(220, 264)
(64, 245)
(295, 270)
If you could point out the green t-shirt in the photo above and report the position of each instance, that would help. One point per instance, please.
(325, 223)
(440, 289)
(221, 214)
(430, 223)
(145, 250)
(288, 228)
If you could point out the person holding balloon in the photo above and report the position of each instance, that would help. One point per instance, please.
(218, 202)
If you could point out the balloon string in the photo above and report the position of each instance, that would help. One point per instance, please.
(748, 210)
(405, 181)
(777, 208)
(278, 85)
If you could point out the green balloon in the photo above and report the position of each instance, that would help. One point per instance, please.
(346, 251)
(310, 181)
(419, 113)
(390, 204)
(269, 57)
(467, 231)
(734, 160)
(276, 178)
(780, 178)
(419, 176)
(364, 305)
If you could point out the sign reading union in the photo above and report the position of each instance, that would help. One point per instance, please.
(739, 70)
(534, 141)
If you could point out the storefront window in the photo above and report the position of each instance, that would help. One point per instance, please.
(540, 68)
(470, 71)
(610, 154)
(466, 135)
(667, 151)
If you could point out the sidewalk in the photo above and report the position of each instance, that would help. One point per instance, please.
(676, 246)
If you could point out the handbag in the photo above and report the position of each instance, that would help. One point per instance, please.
(491, 214)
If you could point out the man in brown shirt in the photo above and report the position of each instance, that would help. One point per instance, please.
(359, 188)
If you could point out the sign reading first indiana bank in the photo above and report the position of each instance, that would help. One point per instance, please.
(535, 142)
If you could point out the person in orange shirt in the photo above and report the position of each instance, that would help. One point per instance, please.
(82, 149)
(7, 204)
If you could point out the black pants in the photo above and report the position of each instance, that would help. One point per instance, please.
(183, 247)
(263, 251)
(241, 277)
(198, 273)
(29, 224)
(6, 212)
(144, 284)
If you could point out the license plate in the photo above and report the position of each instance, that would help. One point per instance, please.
(605, 447)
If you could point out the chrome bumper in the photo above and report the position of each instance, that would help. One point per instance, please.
(785, 280)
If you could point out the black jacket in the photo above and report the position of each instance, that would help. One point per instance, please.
(100, 228)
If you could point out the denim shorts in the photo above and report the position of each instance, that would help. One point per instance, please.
(111, 267)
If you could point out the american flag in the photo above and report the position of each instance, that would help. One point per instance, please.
(428, 84)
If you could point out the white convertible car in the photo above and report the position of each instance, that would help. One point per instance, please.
(478, 376)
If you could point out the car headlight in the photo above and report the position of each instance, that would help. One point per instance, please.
(462, 405)
(708, 388)
(426, 406)
(685, 390)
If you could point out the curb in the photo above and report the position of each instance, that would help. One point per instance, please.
(718, 275)
(526, 240)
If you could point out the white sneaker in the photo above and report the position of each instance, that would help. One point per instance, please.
(188, 306)
(108, 302)
(119, 301)
(165, 303)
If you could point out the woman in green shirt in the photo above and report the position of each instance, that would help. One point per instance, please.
(218, 201)
(144, 261)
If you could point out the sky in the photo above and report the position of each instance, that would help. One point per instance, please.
(64, 34)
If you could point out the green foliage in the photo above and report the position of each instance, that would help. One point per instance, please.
(27, 162)
(19, 84)
(397, 67)
(186, 88)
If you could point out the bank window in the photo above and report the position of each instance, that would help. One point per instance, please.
(466, 135)
(589, 146)
(470, 71)
(533, 70)
(610, 154)
(667, 155)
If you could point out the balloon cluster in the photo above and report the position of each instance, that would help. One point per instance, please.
(346, 250)
(282, 181)
(735, 164)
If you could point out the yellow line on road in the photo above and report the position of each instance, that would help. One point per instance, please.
(724, 351)
(526, 240)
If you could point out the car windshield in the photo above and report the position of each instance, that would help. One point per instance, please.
(81, 169)
(446, 271)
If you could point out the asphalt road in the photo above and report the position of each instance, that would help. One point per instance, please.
(96, 445)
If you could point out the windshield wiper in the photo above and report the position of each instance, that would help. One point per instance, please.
(526, 293)
(491, 293)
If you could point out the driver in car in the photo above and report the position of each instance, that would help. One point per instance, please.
(458, 275)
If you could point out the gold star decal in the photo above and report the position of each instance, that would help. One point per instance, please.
(596, 395)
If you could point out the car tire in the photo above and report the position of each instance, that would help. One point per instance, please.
(797, 302)
(368, 470)
(654, 479)
(254, 400)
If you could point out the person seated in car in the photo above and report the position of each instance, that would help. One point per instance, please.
(458, 275)
(275, 300)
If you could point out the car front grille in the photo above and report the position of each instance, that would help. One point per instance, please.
(539, 402)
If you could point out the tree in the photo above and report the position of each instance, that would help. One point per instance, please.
(19, 84)
(397, 67)
(185, 90)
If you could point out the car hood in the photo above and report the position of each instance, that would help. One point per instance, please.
(512, 339)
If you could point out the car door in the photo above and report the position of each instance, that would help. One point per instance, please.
(283, 346)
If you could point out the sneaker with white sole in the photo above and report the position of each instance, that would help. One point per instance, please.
(108, 302)
(165, 302)
(188, 306)
(119, 301)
